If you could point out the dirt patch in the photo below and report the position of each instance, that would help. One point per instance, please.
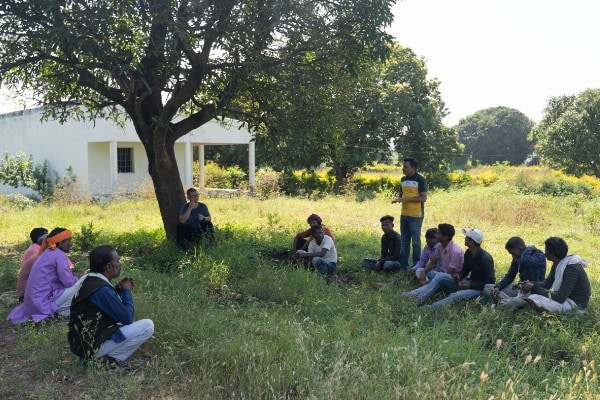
(22, 378)
(13, 368)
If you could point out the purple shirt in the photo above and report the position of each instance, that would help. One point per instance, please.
(426, 254)
(450, 257)
(49, 277)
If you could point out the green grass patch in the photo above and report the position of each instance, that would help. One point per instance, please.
(290, 335)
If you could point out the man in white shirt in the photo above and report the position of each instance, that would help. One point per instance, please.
(322, 252)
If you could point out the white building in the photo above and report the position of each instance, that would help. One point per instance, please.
(106, 158)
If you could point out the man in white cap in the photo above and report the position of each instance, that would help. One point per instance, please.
(477, 271)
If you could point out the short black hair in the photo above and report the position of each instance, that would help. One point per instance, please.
(413, 162)
(447, 230)
(387, 218)
(56, 231)
(99, 257)
(36, 233)
(190, 190)
(514, 242)
(314, 229)
(430, 233)
(557, 246)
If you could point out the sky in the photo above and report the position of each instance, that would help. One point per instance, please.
(489, 53)
(511, 53)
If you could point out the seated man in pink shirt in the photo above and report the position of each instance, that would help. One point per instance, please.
(451, 258)
(37, 235)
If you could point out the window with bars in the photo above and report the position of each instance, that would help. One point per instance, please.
(124, 159)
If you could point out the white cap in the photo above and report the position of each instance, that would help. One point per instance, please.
(474, 234)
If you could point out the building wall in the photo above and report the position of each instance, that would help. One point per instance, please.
(98, 167)
(86, 147)
(48, 141)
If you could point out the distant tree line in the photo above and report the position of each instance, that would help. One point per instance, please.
(320, 83)
(565, 139)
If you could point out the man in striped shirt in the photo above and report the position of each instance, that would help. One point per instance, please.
(413, 195)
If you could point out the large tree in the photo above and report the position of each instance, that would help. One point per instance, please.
(320, 119)
(496, 134)
(354, 114)
(412, 112)
(172, 65)
(569, 133)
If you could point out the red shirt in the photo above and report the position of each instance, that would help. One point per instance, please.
(308, 233)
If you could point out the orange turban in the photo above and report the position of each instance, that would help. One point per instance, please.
(50, 242)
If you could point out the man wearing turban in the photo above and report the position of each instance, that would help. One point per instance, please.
(302, 239)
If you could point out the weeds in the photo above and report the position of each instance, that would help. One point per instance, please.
(293, 336)
(88, 237)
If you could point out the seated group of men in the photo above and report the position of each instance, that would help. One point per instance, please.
(316, 246)
(101, 316)
(471, 274)
(468, 274)
(101, 324)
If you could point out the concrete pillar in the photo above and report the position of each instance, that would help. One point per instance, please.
(252, 166)
(201, 181)
(188, 171)
(114, 171)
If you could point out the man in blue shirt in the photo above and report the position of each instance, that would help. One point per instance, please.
(431, 244)
(194, 220)
(101, 322)
(528, 262)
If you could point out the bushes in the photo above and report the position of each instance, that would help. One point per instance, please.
(214, 175)
(16, 202)
(218, 177)
(485, 179)
(376, 184)
(381, 180)
(20, 171)
(268, 182)
(311, 184)
(552, 184)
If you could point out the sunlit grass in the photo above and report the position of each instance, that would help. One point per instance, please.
(293, 336)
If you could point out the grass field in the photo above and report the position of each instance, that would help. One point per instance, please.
(239, 320)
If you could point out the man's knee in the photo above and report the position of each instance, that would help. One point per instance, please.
(145, 328)
(148, 327)
(393, 266)
(487, 289)
(369, 263)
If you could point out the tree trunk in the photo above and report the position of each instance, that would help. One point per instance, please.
(159, 139)
(341, 177)
(595, 168)
(168, 189)
(162, 167)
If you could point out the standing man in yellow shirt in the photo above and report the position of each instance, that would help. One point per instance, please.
(413, 195)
